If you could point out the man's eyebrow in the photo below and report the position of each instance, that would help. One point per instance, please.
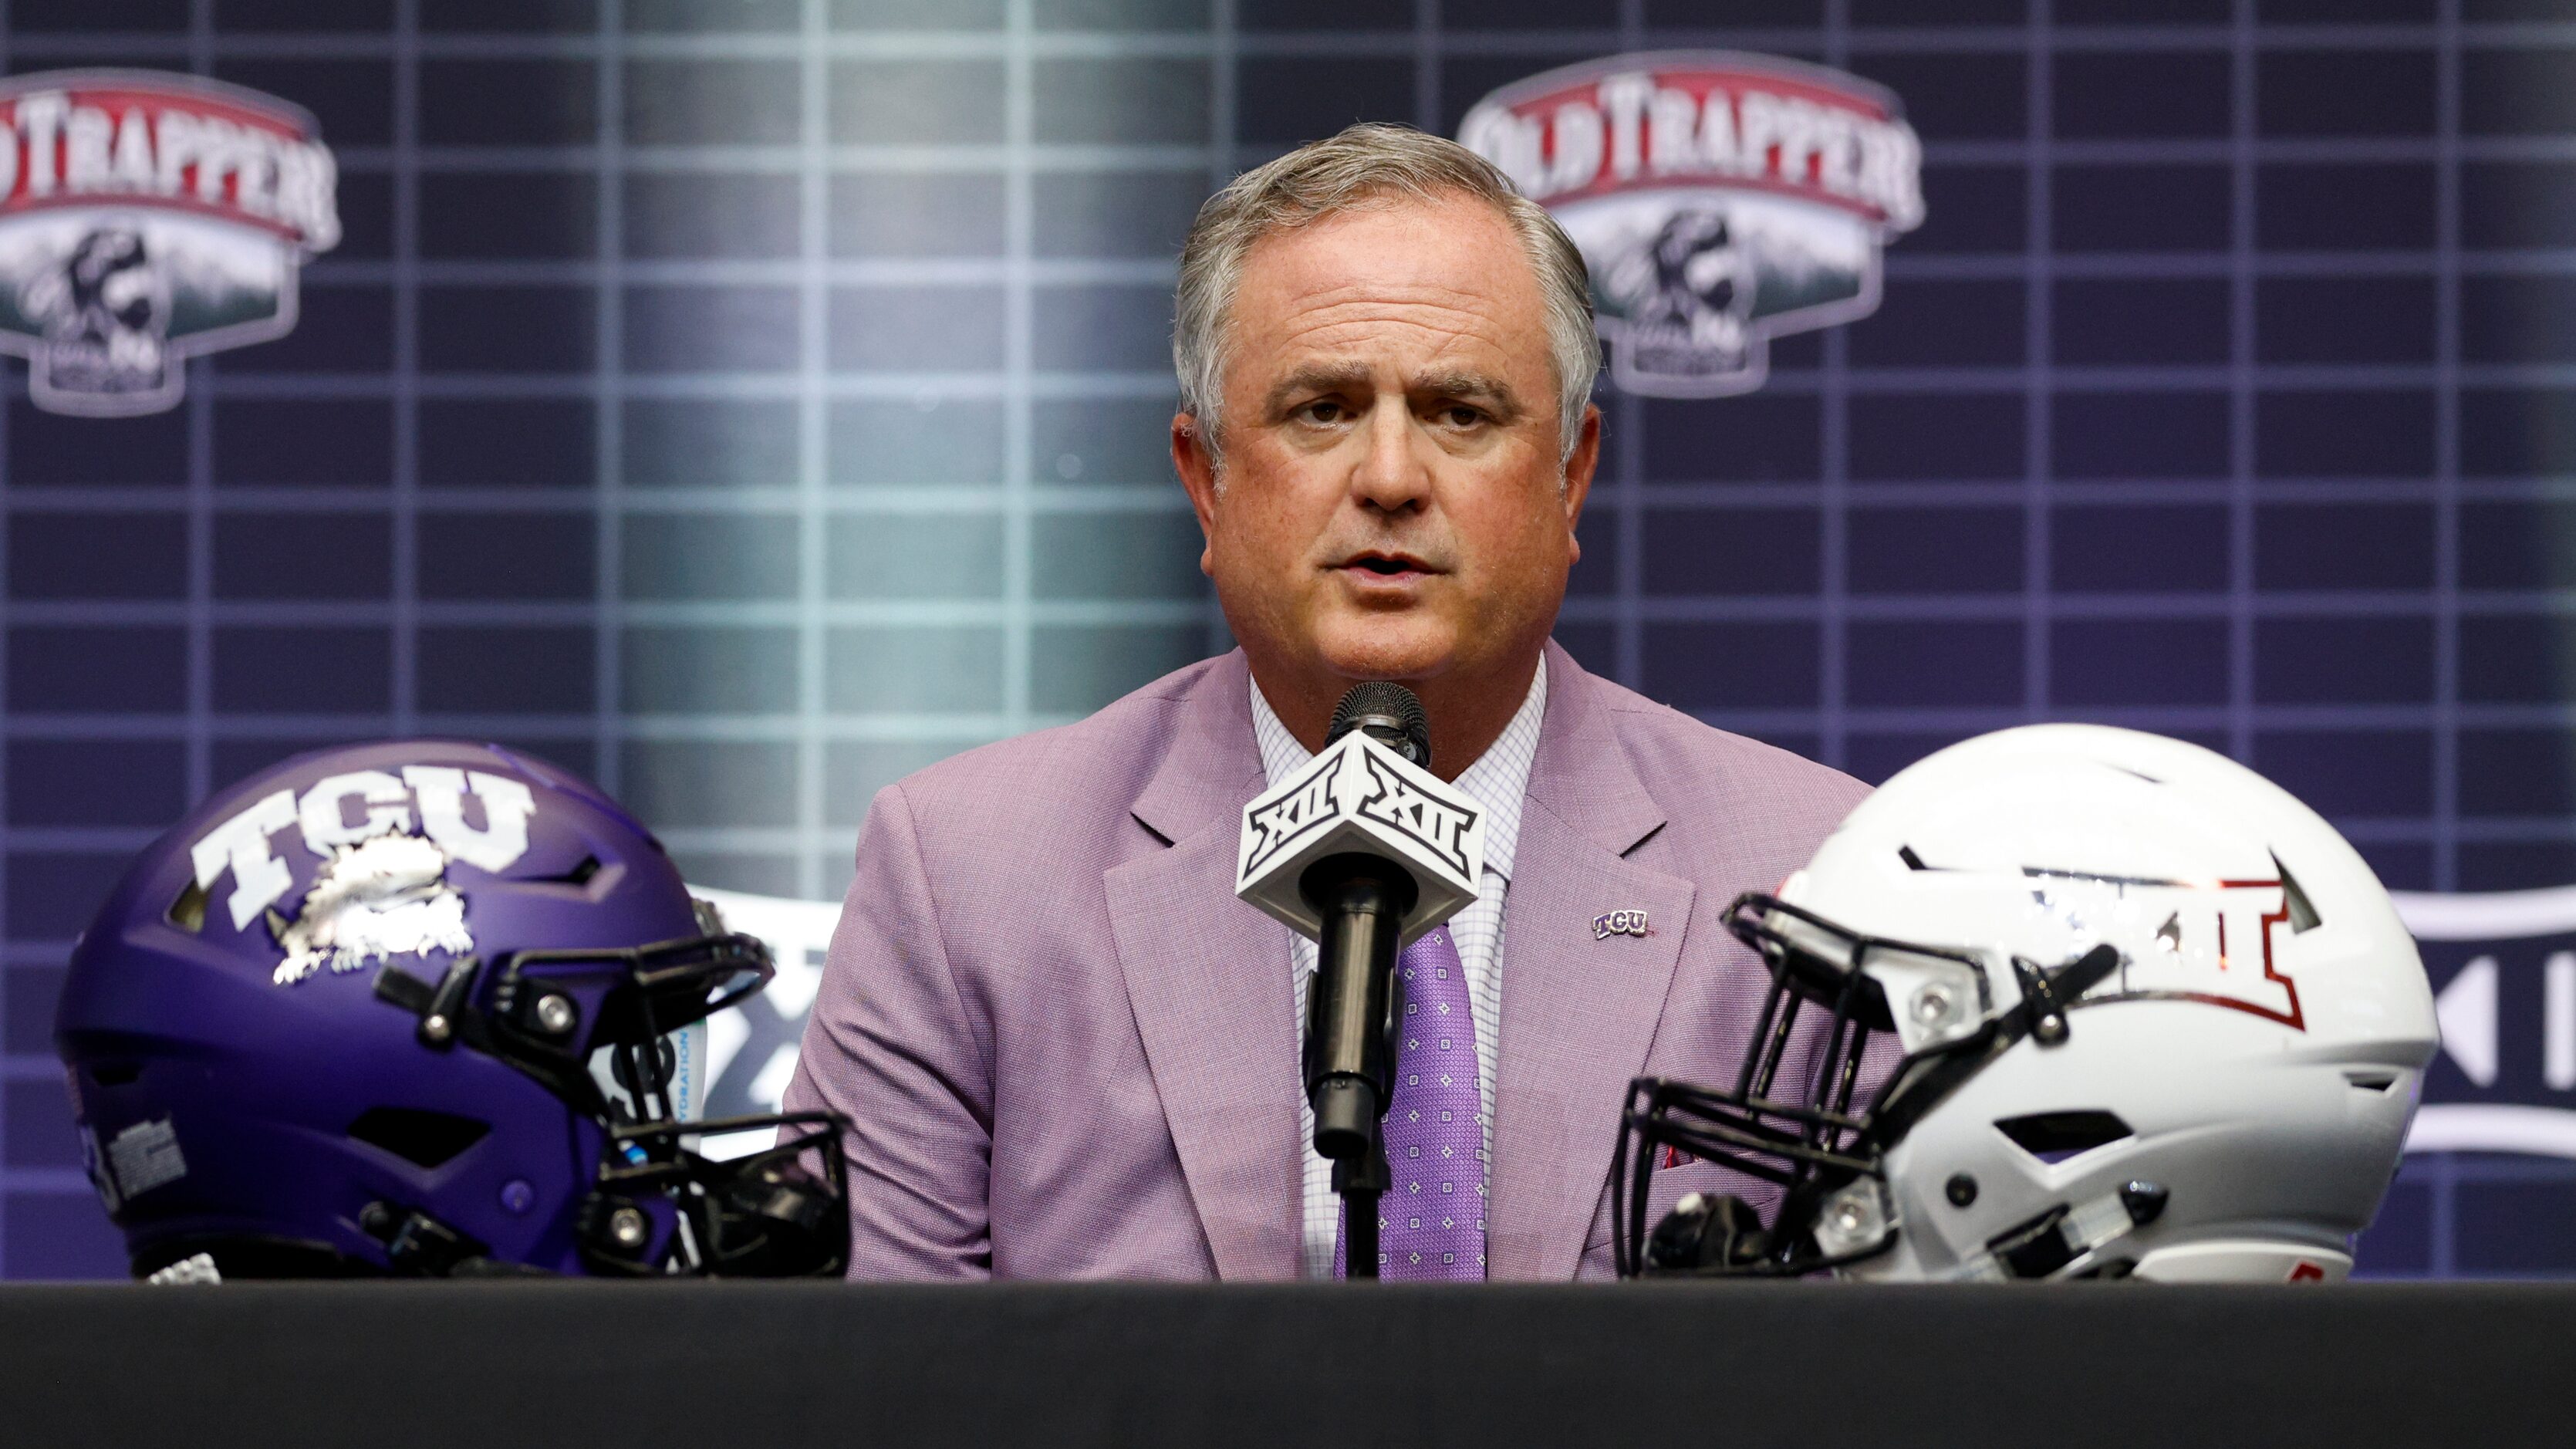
(1478, 386)
(1316, 377)
(1327, 377)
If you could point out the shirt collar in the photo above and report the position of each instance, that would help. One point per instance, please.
(1498, 781)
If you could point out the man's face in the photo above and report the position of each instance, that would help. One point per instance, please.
(1391, 505)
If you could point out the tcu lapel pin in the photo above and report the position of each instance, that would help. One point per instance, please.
(1618, 923)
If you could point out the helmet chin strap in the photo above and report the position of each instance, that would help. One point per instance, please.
(768, 1217)
(761, 1215)
(420, 1246)
(448, 1018)
(2062, 1235)
(2047, 993)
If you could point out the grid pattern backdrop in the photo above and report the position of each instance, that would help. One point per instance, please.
(747, 403)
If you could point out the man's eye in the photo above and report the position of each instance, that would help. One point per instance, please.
(1325, 412)
(1461, 416)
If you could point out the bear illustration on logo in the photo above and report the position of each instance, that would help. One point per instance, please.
(146, 218)
(1720, 200)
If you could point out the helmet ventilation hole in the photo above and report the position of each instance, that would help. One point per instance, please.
(423, 1139)
(2303, 912)
(188, 912)
(579, 875)
(2056, 1136)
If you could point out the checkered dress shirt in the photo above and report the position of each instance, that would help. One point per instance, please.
(1497, 781)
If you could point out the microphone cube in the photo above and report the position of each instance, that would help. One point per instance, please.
(1360, 797)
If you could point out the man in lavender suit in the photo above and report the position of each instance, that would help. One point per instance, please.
(1067, 1050)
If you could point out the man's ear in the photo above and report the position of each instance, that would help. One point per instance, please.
(1192, 459)
(1578, 476)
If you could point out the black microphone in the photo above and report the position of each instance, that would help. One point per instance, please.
(1390, 714)
(1363, 851)
(1361, 898)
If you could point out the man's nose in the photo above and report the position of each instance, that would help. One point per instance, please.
(1391, 475)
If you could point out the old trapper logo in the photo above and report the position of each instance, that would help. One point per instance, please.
(145, 217)
(1720, 200)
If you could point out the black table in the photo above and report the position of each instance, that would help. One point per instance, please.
(477, 1366)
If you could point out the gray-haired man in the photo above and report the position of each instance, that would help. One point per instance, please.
(1069, 1051)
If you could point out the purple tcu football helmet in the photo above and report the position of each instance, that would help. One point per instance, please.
(406, 1008)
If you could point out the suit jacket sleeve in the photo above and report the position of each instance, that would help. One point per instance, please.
(892, 1046)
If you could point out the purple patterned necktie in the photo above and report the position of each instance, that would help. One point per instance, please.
(1431, 1223)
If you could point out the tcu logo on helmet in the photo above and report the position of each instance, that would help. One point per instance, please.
(145, 218)
(382, 889)
(1719, 200)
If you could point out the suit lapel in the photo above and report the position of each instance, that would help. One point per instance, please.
(1208, 979)
(1578, 1012)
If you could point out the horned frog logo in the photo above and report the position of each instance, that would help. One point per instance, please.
(386, 897)
(385, 844)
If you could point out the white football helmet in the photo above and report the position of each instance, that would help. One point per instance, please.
(2138, 1012)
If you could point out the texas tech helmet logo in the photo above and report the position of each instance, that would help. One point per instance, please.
(144, 218)
(1720, 200)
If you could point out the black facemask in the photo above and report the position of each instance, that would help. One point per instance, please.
(1808, 1137)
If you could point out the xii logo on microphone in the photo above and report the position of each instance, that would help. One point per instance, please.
(1393, 802)
(1292, 817)
(1358, 797)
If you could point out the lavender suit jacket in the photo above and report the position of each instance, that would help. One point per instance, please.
(1067, 1050)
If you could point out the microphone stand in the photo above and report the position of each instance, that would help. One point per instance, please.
(1360, 1180)
(1350, 1035)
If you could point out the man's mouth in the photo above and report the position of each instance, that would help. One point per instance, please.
(1390, 567)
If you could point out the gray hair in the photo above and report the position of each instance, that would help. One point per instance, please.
(1364, 164)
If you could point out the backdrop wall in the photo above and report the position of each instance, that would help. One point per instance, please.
(748, 403)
